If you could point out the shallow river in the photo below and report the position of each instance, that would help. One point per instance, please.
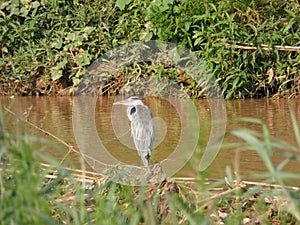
(54, 115)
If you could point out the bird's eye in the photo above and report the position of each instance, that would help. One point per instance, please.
(132, 110)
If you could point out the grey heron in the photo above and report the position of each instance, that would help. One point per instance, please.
(142, 126)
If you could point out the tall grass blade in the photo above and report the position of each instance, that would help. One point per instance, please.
(295, 126)
(258, 146)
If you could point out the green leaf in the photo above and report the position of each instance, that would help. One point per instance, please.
(57, 71)
(146, 35)
(56, 74)
(122, 3)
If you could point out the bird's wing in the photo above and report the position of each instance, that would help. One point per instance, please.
(142, 130)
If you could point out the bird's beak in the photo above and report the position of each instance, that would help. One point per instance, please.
(122, 102)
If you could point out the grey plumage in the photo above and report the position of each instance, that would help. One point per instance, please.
(142, 126)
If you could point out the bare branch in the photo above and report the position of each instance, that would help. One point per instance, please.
(249, 46)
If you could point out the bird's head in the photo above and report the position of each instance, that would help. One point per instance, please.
(133, 100)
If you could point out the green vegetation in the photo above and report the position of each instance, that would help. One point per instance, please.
(251, 46)
(31, 193)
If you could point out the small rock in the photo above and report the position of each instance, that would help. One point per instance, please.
(223, 215)
(246, 220)
(268, 200)
(213, 217)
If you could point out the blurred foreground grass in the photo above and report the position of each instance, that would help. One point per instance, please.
(33, 194)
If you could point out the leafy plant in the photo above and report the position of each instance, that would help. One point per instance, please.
(242, 42)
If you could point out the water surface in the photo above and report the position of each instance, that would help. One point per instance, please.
(54, 115)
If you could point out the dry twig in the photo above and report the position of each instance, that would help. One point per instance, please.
(249, 46)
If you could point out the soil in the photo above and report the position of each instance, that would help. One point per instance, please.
(46, 87)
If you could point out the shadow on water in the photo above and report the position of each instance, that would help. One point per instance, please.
(54, 114)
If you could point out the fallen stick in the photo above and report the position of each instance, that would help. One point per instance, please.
(265, 47)
(251, 183)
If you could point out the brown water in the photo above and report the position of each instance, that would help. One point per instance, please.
(54, 115)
